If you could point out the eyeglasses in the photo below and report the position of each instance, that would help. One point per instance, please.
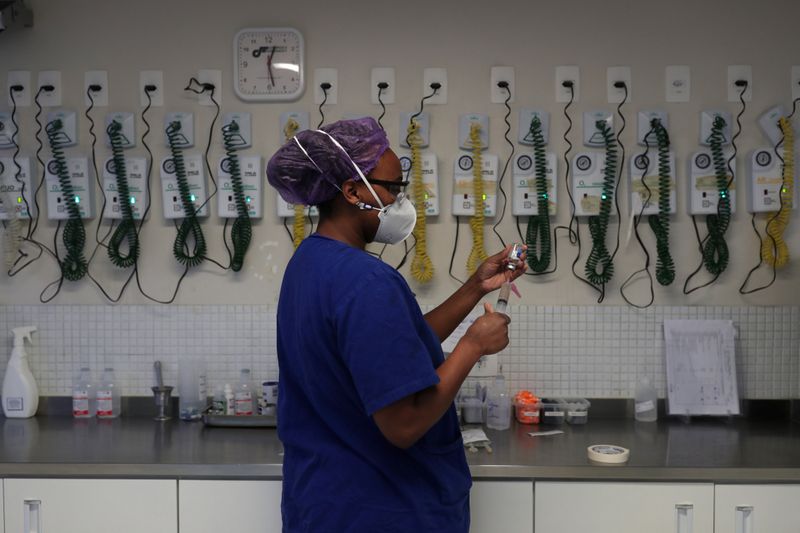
(394, 187)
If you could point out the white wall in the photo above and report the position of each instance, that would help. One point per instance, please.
(182, 36)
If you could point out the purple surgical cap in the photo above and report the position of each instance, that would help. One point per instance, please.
(297, 178)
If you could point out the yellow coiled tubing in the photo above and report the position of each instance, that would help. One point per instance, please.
(421, 266)
(299, 226)
(774, 249)
(478, 253)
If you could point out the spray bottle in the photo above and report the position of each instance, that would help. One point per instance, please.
(20, 393)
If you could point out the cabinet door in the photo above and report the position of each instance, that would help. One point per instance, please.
(624, 507)
(240, 506)
(91, 505)
(757, 508)
(505, 506)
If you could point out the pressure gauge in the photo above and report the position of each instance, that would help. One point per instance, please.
(268, 64)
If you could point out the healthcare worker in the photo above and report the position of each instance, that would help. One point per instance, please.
(366, 416)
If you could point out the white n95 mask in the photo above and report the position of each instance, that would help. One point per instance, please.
(395, 221)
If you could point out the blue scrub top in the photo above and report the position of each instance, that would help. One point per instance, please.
(352, 340)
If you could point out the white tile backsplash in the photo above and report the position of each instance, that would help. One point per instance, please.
(591, 351)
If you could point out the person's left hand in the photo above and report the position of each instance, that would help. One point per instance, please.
(493, 272)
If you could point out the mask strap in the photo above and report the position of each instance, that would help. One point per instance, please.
(361, 174)
(306, 153)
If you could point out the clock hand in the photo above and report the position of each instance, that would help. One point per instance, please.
(269, 66)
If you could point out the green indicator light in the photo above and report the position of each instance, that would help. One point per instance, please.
(19, 199)
(133, 200)
(603, 196)
(484, 197)
(77, 199)
(784, 191)
(247, 199)
(426, 196)
(192, 197)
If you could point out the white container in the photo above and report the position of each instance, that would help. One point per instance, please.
(192, 388)
(230, 400)
(646, 402)
(84, 400)
(109, 401)
(20, 393)
(245, 399)
(498, 405)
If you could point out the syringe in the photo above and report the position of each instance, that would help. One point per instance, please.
(514, 257)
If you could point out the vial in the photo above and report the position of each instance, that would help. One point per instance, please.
(514, 256)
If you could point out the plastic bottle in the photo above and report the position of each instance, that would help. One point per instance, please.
(218, 402)
(498, 405)
(84, 401)
(244, 394)
(230, 400)
(646, 402)
(109, 402)
(20, 393)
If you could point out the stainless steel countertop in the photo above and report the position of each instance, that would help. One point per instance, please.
(704, 450)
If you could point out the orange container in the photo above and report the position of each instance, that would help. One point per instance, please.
(526, 407)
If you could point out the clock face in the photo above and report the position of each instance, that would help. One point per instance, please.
(268, 64)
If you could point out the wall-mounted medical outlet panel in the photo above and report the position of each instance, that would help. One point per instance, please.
(128, 131)
(286, 210)
(463, 185)
(7, 131)
(67, 135)
(82, 182)
(465, 123)
(301, 117)
(195, 177)
(184, 136)
(703, 191)
(424, 121)
(707, 123)
(430, 179)
(769, 124)
(136, 175)
(525, 194)
(250, 171)
(17, 184)
(592, 136)
(765, 180)
(587, 183)
(645, 173)
(644, 121)
(524, 135)
(243, 137)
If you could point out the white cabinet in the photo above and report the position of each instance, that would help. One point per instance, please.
(505, 506)
(240, 506)
(91, 506)
(624, 507)
(757, 509)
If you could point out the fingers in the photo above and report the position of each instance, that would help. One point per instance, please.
(487, 307)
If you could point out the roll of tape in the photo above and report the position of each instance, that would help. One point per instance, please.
(608, 453)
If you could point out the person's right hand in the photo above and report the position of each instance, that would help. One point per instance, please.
(489, 332)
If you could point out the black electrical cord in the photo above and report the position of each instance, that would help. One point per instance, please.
(435, 86)
(207, 87)
(453, 255)
(324, 86)
(382, 86)
(619, 85)
(504, 85)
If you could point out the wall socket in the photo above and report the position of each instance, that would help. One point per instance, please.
(19, 77)
(678, 82)
(434, 75)
(96, 77)
(49, 98)
(214, 77)
(618, 95)
(151, 77)
(499, 95)
(326, 75)
(382, 75)
(740, 72)
(568, 73)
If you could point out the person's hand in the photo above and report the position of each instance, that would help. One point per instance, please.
(493, 272)
(489, 332)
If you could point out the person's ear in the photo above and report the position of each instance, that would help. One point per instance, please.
(350, 193)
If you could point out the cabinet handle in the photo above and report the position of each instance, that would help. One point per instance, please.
(32, 517)
(744, 518)
(684, 517)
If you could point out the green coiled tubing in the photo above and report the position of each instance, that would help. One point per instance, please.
(242, 230)
(599, 266)
(127, 227)
(538, 234)
(665, 266)
(190, 224)
(715, 249)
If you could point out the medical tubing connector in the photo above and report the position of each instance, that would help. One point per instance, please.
(190, 224)
(478, 253)
(290, 129)
(598, 225)
(74, 265)
(421, 266)
(774, 250)
(242, 230)
(665, 266)
(715, 249)
(538, 233)
(127, 227)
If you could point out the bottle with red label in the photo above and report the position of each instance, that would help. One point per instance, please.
(109, 403)
(244, 394)
(84, 403)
